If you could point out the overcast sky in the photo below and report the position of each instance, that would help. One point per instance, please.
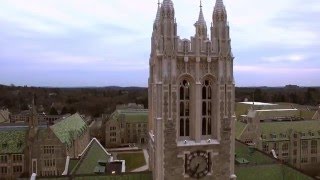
(107, 42)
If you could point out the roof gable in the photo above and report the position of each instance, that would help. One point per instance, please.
(90, 157)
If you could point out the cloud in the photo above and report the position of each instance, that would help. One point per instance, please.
(286, 58)
(97, 37)
(274, 70)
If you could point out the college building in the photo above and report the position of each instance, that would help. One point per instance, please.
(284, 134)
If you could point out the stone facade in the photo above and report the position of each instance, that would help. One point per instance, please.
(11, 166)
(127, 125)
(191, 98)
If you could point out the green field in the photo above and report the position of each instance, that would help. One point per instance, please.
(133, 160)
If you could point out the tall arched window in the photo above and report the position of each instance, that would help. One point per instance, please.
(206, 107)
(184, 103)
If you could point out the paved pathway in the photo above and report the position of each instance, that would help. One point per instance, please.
(145, 167)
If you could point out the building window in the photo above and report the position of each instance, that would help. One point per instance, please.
(314, 160)
(304, 160)
(295, 152)
(184, 103)
(265, 147)
(17, 169)
(314, 145)
(206, 107)
(113, 134)
(295, 144)
(17, 158)
(275, 146)
(113, 140)
(304, 147)
(48, 149)
(294, 161)
(3, 170)
(113, 128)
(3, 159)
(49, 162)
(285, 147)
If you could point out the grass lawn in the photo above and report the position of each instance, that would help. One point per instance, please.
(133, 160)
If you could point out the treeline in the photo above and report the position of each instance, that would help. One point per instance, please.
(95, 101)
(89, 101)
(298, 95)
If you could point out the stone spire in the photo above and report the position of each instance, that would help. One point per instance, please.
(201, 26)
(201, 20)
(157, 20)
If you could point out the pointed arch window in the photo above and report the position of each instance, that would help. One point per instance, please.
(184, 103)
(206, 107)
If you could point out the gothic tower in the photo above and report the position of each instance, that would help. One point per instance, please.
(191, 98)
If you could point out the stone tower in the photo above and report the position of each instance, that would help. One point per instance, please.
(191, 98)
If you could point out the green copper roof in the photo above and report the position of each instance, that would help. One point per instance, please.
(252, 164)
(93, 153)
(12, 140)
(252, 155)
(69, 128)
(269, 172)
(131, 115)
(278, 128)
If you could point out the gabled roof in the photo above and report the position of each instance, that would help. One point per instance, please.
(90, 157)
(13, 139)
(69, 128)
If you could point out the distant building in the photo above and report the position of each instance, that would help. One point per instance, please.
(127, 125)
(24, 116)
(294, 140)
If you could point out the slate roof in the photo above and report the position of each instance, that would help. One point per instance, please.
(131, 115)
(12, 139)
(90, 157)
(310, 128)
(262, 166)
(69, 128)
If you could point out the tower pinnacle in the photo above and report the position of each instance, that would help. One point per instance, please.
(158, 13)
(219, 7)
(201, 20)
(167, 4)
